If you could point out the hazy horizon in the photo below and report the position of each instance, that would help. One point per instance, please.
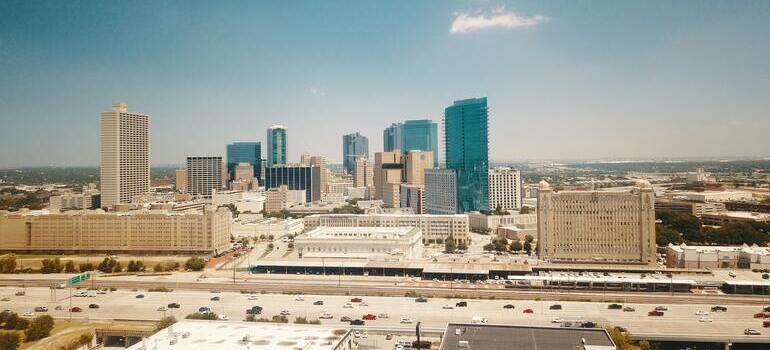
(611, 81)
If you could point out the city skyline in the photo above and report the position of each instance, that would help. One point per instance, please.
(564, 81)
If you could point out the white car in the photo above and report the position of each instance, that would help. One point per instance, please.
(406, 320)
(29, 314)
(705, 319)
(326, 316)
(162, 308)
(383, 316)
(223, 317)
(347, 306)
(363, 303)
(447, 307)
(299, 298)
(253, 297)
(701, 313)
(357, 334)
(285, 313)
(556, 320)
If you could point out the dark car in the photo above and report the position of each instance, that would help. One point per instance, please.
(357, 322)
(214, 299)
(555, 307)
(93, 306)
(719, 308)
(345, 319)
(255, 310)
(173, 306)
(421, 300)
(140, 296)
(355, 300)
(461, 304)
(318, 302)
(203, 309)
(369, 317)
(615, 307)
(76, 309)
(529, 311)
(509, 306)
(655, 313)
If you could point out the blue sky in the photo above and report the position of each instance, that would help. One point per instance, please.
(565, 79)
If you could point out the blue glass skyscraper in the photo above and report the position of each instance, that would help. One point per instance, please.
(466, 148)
(277, 145)
(420, 135)
(354, 146)
(244, 152)
(391, 138)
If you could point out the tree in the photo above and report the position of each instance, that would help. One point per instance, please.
(529, 238)
(51, 266)
(9, 340)
(104, 266)
(622, 339)
(665, 235)
(69, 267)
(687, 224)
(500, 243)
(489, 247)
(290, 245)
(165, 322)
(195, 264)
(516, 246)
(158, 267)
(39, 328)
(86, 267)
(131, 266)
(8, 264)
(528, 248)
(85, 339)
(525, 210)
(645, 345)
(449, 245)
(118, 267)
(462, 246)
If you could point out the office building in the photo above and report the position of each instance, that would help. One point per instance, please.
(339, 185)
(243, 171)
(695, 208)
(713, 196)
(413, 196)
(180, 183)
(440, 191)
(415, 163)
(480, 335)
(597, 226)
(435, 228)
(354, 146)
(307, 178)
(244, 152)
(391, 194)
(360, 242)
(685, 256)
(125, 155)
(363, 173)
(318, 161)
(753, 206)
(387, 169)
(481, 222)
(204, 174)
(277, 199)
(86, 200)
(277, 145)
(504, 189)
(391, 138)
(466, 147)
(729, 217)
(135, 231)
(268, 227)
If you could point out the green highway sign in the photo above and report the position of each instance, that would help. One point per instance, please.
(79, 278)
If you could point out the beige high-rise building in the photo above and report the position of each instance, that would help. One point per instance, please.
(363, 173)
(276, 199)
(415, 163)
(391, 194)
(387, 169)
(596, 226)
(244, 171)
(181, 180)
(504, 188)
(318, 161)
(137, 231)
(125, 155)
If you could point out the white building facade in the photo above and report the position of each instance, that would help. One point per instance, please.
(125, 155)
(504, 188)
(361, 242)
(435, 228)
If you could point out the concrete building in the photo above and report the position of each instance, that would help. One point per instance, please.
(752, 206)
(180, 183)
(250, 203)
(504, 188)
(87, 200)
(435, 228)
(268, 227)
(277, 199)
(696, 208)
(415, 163)
(296, 178)
(135, 231)
(339, 185)
(516, 232)
(354, 146)
(220, 198)
(713, 196)
(363, 173)
(387, 169)
(717, 257)
(440, 191)
(391, 195)
(727, 217)
(277, 145)
(125, 155)
(413, 196)
(360, 242)
(243, 171)
(249, 153)
(475, 336)
(597, 226)
(306, 159)
(204, 174)
(489, 223)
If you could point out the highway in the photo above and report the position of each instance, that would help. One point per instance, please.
(679, 321)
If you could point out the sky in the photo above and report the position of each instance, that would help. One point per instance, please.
(564, 79)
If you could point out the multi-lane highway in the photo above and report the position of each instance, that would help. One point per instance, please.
(679, 320)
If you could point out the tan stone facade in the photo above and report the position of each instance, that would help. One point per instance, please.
(596, 226)
(435, 228)
(206, 231)
(277, 199)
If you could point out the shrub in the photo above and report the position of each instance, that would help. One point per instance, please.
(195, 264)
(39, 328)
(165, 322)
(160, 289)
(9, 340)
(202, 316)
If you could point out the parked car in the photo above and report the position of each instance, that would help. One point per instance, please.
(655, 313)
(59, 307)
(347, 306)
(93, 306)
(765, 323)
(28, 314)
(357, 322)
(421, 300)
(383, 316)
(461, 304)
(254, 310)
(162, 308)
(555, 307)
(5, 299)
(20, 293)
(222, 317)
(705, 319)
(509, 306)
(204, 309)
(762, 315)
(369, 317)
(325, 316)
(318, 302)
(701, 313)
(615, 307)
(749, 331)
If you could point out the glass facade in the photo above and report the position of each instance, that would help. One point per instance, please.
(467, 151)
(354, 146)
(420, 135)
(244, 152)
(306, 178)
(391, 138)
(276, 145)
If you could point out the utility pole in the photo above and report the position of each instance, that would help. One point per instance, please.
(417, 330)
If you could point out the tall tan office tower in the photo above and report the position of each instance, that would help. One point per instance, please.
(125, 155)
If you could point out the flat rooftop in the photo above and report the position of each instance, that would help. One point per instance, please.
(501, 337)
(204, 335)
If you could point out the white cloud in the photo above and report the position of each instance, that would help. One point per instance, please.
(316, 91)
(466, 23)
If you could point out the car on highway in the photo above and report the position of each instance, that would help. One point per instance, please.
(509, 306)
(749, 331)
(173, 306)
(556, 320)
(345, 319)
(222, 317)
(406, 320)
(347, 306)
(75, 309)
(762, 315)
(529, 311)
(355, 300)
(285, 312)
(5, 299)
(615, 306)
(325, 316)
(93, 306)
(383, 316)
(628, 309)
(447, 307)
(705, 319)
(28, 314)
(140, 296)
(421, 300)
(661, 308)
(41, 309)
(461, 304)
(369, 317)
(162, 308)
(299, 298)
(766, 309)
(59, 307)
(20, 293)
(655, 313)
(204, 309)
(701, 313)
(719, 308)
(214, 299)
(555, 307)
(363, 303)
(318, 302)
(479, 320)
(253, 297)
(765, 323)
(357, 322)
